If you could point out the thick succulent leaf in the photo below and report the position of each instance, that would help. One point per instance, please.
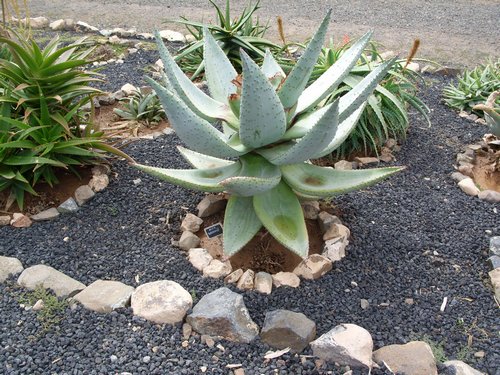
(344, 129)
(262, 117)
(199, 102)
(218, 69)
(272, 70)
(241, 224)
(360, 93)
(297, 80)
(305, 123)
(195, 132)
(200, 161)
(256, 176)
(280, 212)
(318, 181)
(197, 179)
(317, 138)
(330, 79)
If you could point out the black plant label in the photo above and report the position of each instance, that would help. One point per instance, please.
(214, 230)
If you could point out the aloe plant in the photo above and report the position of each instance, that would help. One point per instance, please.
(273, 125)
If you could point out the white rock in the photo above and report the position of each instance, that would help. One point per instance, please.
(4, 220)
(161, 302)
(495, 281)
(129, 89)
(114, 39)
(335, 249)
(147, 36)
(326, 221)
(347, 345)
(191, 223)
(343, 165)
(459, 368)
(20, 220)
(86, 27)
(57, 25)
(414, 358)
(263, 282)
(39, 305)
(313, 267)
(159, 65)
(413, 66)
(49, 278)
(69, 24)
(38, 22)
(457, 176)
(469, 187)
(286, 279)
(217, 269)
(190, 38)
(337, 231)
(9, 266)
(199, 258)
(104, 296)
(83, 194)
(172, 36)
(234, 276)
(491, 196)
(188, 241)
(246, 280)
(99, 183)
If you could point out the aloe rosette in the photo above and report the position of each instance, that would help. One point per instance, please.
(272, 126)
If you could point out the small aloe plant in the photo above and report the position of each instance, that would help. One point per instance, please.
(273, 125)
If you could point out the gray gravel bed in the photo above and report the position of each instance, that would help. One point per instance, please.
(396, 227)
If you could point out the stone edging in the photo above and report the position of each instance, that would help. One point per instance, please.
(84, 193)
(494, 262)
(222, 314)
(335, 237)
(464, 174)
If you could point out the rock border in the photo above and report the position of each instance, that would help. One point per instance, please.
(82, 194)
(222, 314)
(464, 172)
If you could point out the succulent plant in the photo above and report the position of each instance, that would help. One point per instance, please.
(273, 125)
(492, 113)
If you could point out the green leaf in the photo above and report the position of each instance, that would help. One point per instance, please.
(241, 224)
(197, 179)
(317, 138)
(360, 93)
(317, 181)
(218, 69)
(256, 176)
(329, 80)
(280, 212)
(27, 160)
(262, 117)
(272, 70)
(195, 132)
(297, 80)
(200, 161)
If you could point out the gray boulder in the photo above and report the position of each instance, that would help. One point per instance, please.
(459, 368)
(105, 296)
(283, 329)
(413, 358)
(49, 278)
(223, 313)
(9, 266)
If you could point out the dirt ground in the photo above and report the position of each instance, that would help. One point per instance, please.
(454, 32)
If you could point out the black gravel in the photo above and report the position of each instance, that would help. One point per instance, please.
(398, 227)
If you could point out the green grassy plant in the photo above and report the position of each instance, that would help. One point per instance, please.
(143, 108)
(473, 87)
(53, 309)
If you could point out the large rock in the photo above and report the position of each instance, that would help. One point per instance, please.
(495, 281)
(4, 220)
(336, 231)
(188, 241)
(263, 283)
(217, 269)
(9, 266)
(191, 223)
(343, 165)
(104, 296)
(413, 358)
(468, 186)
(172, 36)
(84, 26)
(49, 278)
(38, 22)
(234, 276)
(313, 267)
(223, 313)
(459, 368)
(491, 196)
(83, 194)
(199, 258)
(334, 249)
(326, 221)
(211, 204)
(161, 302)
(346, 344)
(246, 282)
(20, 220)
(48, 214)
(286, 279)
(283, 329)
(68, 206)
(57, 25)
(99, 182)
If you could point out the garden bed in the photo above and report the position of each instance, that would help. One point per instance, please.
(415, 236)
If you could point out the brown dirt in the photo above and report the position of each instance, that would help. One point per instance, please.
(106, 119)
(263, 252)
(50, 196)
(485, 174)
